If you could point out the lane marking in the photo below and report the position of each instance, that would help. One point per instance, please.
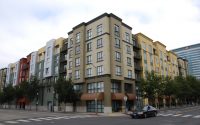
(185, 116)
(166, 114)
(11, 122)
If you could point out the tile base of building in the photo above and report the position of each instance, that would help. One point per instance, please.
(107, 109)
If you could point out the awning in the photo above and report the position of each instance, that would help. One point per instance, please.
(120, 96)
(131, 96)
(92, 96)
(117, 96)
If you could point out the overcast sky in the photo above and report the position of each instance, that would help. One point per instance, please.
(26, 25)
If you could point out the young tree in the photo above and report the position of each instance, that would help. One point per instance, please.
(150, 86)
(9, 94)
(33, 89)
(65, 91)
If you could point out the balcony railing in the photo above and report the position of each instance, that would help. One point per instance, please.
(137, 56)
(138, 68)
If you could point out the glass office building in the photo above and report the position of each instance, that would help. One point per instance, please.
(192, 54)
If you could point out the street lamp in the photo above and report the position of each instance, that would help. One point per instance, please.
(96, 109)
(53, 101)
(37, 101)
(125, 99)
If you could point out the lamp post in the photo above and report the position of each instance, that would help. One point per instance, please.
(96, 109)
(53, 101)
(125, 99)
(37, 101)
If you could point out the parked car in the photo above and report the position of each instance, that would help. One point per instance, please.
(147, 111)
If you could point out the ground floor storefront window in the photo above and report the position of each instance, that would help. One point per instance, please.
(92, 107)
(117, 106)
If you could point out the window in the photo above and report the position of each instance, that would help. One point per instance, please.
(128, 61)
(89, 72)
(128, 49)
(65, 56)
(115, 87)
(118, 70)
(77, 61)
(56, 70)
(70, 53)
(78, 38)
(48, 51)
(89, 34)
(89, 59)
(99, 56)
(117, 43)
(99, 29)
(89, 47)
(116, 30)
(70, 75)
(129, 73)
(40, 65)
(99, 70)
(70, 64)
(91, 106)
(57, 59)
(47, 71)
(95, 87)
(145, 55)
(77, 74)
(127, 37)
(56, 49)
(77, 49)
(151, 59)
(71, 42)
(150, 49)
(99, 43)
(39, 74)
(65, 67)
(118, 56)
(128, 88)
(78, 87)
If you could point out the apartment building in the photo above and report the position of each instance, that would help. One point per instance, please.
(47, 70)
(12, 73)
(2, 78)
(101, 64)
(183, 66)
(63, 59)
(191, 53)
(156, 58)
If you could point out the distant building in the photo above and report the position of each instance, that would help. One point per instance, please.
(2, 77)
(192, 54)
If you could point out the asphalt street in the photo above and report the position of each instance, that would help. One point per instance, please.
(181, 116)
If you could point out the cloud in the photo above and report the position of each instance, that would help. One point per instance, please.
(26, 25)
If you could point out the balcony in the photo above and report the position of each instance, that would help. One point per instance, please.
(138, 68)
(63, 71)
(64, 48)
(136, 45)
(137, 56)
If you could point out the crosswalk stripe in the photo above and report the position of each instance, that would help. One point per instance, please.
(11, 122)
(197, 116)
(37, 120)
(166, 114)
(45, 119)
(177, 115)
(23, 120)
(186, 116)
